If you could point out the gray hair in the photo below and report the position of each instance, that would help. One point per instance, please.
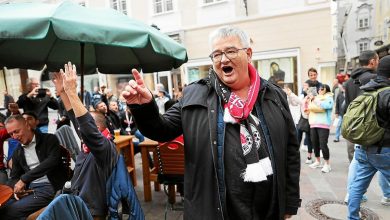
(229, 31)
(30, 80)
(12, 118)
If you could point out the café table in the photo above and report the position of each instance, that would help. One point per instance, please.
(124, 145)
(149, 175)
(5, 194)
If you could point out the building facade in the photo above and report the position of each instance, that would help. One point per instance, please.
(295, 48)
(295, 34)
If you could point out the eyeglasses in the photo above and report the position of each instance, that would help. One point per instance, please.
(230, 54)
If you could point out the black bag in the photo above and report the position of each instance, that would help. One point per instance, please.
(303, 124)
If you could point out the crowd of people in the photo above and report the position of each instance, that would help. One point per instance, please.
(242, 158)
(316, 103)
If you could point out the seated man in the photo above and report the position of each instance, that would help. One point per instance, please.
(95, 163)
(32, 119)
(13, 144)
(112, 120)
(37, 169)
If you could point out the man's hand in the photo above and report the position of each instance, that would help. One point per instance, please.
(33, 93)
(287, 216)
(69, 79)
(136, 92)
(18, 188)
(58, 82)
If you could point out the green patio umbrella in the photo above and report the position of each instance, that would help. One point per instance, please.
(33, 35)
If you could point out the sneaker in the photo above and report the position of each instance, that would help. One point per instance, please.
(385, 201)
(326, 168)
(315, 165)
(336, 140)
(309, 161)
(346, 199)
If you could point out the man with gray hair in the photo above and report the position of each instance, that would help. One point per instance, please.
(37, 100)
(241, 151)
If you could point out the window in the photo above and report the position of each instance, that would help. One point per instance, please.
(363, 23)
(119, 5)
(161, 6)
(363, 46)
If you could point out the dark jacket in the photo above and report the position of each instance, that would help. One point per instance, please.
(195, 116)
(359, 77)
(383, 106)
(49, 155)
(87, 99)
(38, 106)
(340, 104)
(92, 170)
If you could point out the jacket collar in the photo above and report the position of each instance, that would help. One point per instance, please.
(377, 83)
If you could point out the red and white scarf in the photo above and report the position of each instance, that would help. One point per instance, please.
(252, 140)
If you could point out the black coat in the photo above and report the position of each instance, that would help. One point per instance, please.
(359, 77)
(49, 155)
(39, 106)
(195, 116)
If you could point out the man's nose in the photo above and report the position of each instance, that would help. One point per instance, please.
(224, 58)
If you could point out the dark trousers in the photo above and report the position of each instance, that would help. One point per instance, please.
(319, 139)
(20, 209)
(307, 140)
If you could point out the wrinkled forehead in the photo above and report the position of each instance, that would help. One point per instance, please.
(225, 42)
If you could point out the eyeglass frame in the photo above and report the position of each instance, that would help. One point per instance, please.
(236, 50)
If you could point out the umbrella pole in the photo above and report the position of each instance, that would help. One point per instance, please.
(5, 80)
(82, 71)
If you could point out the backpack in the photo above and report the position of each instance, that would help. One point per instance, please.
(360, 125)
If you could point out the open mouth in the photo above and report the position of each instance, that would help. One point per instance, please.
(227, 69)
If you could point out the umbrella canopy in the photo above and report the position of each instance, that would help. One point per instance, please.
(33, 35)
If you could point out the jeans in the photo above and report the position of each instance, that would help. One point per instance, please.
(319, 139)
(19, 209)
(44, 128)
(338, 128)
(368, 162)
(383, 183)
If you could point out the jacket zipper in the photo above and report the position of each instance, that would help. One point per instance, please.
(214, 165)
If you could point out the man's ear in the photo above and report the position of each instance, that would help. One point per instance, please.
(37, 122)
(249, 54)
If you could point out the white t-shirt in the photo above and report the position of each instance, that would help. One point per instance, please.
(32, 159)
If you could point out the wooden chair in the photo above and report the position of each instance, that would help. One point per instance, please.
(170, 164)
